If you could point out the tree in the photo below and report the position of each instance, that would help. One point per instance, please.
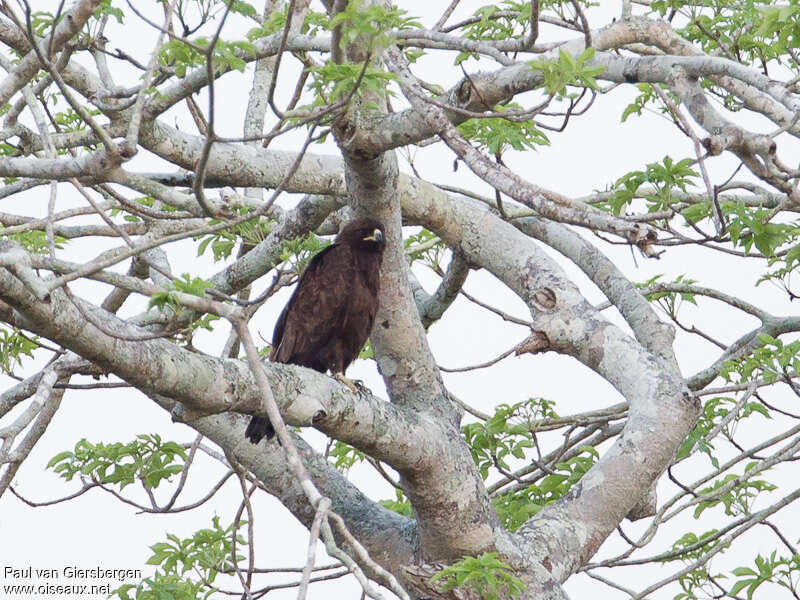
(666, 462)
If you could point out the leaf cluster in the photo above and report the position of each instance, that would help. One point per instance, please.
(778, 32)
(693, 582)
(182, 56)
(568, 71)
(715, 411)
(298, 251)
(162, 587)
(344, 456)
(497, 134)
(665, 177)
(751, 32)
(370, 26)
(780, 570)
(7, 149)
(789, 261)
(333, 82)
(516, 507)
(425, 246)
(223, 242)
(669, 301)
(196, 286)
(738, 499)
(507, 433)
(167, 301)
(771, 361)
(486, 574)
(206, 553)
(505, 20)
(42, 21)
(105, 9)
(749, 226)
(148, 459)
(13, 346)
(400, 504)
(509, 20)
(646, 96)
(35, 241)
(275, 22)
(207, 550)
(69, 120)
(705, 542)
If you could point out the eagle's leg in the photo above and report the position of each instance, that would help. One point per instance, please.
(356, 386)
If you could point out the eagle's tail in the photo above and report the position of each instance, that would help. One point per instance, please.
(259, 428)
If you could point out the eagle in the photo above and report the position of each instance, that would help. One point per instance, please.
(330, 314)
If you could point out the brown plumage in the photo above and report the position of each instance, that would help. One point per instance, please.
(329, 316)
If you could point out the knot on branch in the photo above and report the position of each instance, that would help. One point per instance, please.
(319, 417)
(178, 413)
(344, 129)
(544, 299)
(736, 139)
(473, 94)
(464, 92)
(537, 341)
(354, 131)
(690, 398)
(646, 507)
(125, 150)
(644, 237)
(305, 409)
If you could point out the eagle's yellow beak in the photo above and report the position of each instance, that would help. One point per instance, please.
(377, 236)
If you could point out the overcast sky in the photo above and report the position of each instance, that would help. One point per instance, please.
(96, 530)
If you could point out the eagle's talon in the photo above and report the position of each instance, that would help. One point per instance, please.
(363, 390)
(354, 387)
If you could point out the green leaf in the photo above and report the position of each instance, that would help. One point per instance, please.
(344, 456)
(333, 82)
(14, 345)
(145, 459)
(568, 70)
(497, 134)
(399, 505)
(370, 26)
(58, 458)
(244, 8)
(487, 575)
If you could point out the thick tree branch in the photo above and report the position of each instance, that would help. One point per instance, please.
(546, 203)
(454, 515)
(655, 335)
(431, 307)
(71, 23)
(567, 533)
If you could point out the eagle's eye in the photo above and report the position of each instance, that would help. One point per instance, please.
(375, 236)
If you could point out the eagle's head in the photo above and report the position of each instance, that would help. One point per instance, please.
(365, 234)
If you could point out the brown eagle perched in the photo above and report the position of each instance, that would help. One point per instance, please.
(329, 316)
